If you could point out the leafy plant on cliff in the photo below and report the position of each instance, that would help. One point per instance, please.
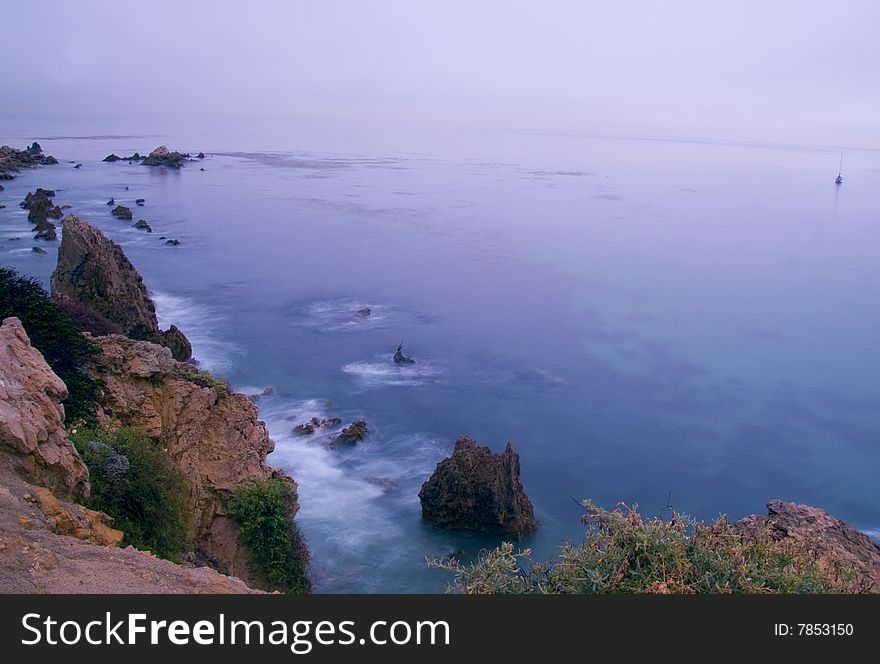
(623, 552)
(202, 379)
(135, 482)
(56, 336)
(264, 512)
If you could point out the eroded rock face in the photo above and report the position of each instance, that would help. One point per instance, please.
(477, 490)
(33, 441)
(53, 546)
(93, 271)
(838, 548)
(213, 436)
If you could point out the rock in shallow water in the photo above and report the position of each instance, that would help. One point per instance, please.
(477, 490)
(352, 434)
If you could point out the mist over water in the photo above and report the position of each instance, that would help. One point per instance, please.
(638, 317)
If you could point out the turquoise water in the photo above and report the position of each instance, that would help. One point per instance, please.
(638, 317)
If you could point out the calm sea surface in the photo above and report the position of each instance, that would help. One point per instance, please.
(638, 317)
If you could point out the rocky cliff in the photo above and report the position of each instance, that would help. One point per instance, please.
(33, 441)
(48, 542)
(212, 434)
(94, 272)
(475, 489)
(841, 550)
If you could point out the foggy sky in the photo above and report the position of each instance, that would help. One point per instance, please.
(782, 71)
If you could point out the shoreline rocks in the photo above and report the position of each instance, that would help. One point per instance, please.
(162, 156)
(122, 212)
(12, 160)
(352, 434)
(315, 424)
(477, 490)
(93, 271)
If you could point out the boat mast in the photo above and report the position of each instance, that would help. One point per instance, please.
(840, 168)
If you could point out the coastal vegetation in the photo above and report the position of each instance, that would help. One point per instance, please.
(56, 336)
(624, 552)
(264, 512)
(135, 482)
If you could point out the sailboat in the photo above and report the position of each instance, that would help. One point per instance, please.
(839, 178)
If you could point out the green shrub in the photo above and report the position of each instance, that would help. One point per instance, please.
(624, 553)
(202, 379)
(135, 482)
(56, 336)
(264, 511)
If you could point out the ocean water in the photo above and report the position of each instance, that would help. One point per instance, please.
(644, 319)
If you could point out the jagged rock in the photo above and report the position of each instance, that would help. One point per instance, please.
(121, 212)
(352, 434)
(477, 490)
(112, 157)
(162, 156)
(142, 225)
(177, 343)
(33, 441)
(214, 438)
(75, 520)
(200, 155)
(45, 231)
(93, 270)
(12, 160)
(112, 201)
(402, 358)
(839, 549)
(38, 250)
(40, 207)
(314, 424)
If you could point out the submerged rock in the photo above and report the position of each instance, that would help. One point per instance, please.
(352, 434)
(402, 358)
(38, 250)
(314, 424)
(173, 243)
(365, 312)
(121, 212)
(477, 490)
(94, 271)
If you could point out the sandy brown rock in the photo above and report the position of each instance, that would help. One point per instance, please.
(843, 551)
(93, 271)
(477, 490)
(212, 434)
(35, 558)
(33, 442)
(75, 520)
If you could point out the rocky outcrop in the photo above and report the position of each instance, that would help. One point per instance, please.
(162, 156)
(402, 358)
(477, 490)
(315, 424)
(33, 442)
(142, 225)
(121, 212)
(115, 157)
(212, 434)
(12, 160)
(839, 549)
(49, 545)
(40, 209)
(352, 434)
(93, 271)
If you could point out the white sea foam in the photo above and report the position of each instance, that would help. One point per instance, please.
(198, 323)
(344, 316)
(383, 371)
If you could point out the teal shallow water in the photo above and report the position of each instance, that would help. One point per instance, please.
(637, 317)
